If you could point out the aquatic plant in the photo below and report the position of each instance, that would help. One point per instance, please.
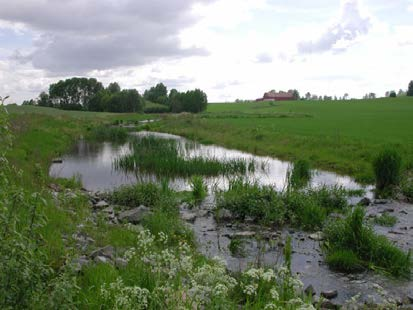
(299, 175)
(387, 169)
(166, 157)
(199, 188)
(108, 133)
(352, 234)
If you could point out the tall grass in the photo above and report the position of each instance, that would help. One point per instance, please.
(166, 157)
(387, 169)
(307, 209)
(108, 133)
(352, 244)
(299, 175)
(199, 188)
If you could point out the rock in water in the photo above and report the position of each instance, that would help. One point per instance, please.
(329, 294)
(364, 202)
(318, 236)
(310, 290)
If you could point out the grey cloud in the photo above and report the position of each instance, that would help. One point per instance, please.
(78, 36)
(338, 36)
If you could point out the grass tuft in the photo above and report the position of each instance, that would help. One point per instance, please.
(387, 169)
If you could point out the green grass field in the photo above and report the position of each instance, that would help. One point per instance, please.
(341, 136)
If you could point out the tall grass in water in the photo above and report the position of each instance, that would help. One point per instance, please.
(307, 208)
(299, 175)
(166, 157)
(351, 244)
(199, 188)
(108, 133)
(387, 170)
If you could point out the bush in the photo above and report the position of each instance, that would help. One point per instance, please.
(387, 170)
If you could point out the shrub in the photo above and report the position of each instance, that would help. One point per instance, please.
(387, 169)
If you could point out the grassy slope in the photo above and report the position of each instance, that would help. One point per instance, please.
(341, 136)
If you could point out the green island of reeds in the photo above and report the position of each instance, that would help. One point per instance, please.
(166, 157)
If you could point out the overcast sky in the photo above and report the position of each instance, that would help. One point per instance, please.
(229, 48)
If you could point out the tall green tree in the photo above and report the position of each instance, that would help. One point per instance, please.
(74, 93)
(113, 88)
(44, 100)
(410, 89)
(157, 94)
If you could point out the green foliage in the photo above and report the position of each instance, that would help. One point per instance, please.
(157, 94)
(147, 194)
(344, 260)
(410, 89)
(407, 187)
(194, 101)
(249, 199)
(166, 157)
(353, 235)
(307, 209)
(236, 247)
(385, 220)
(44, 100)
(387, 169)
(74, 93)
(199, 188)
(108, 133)
(300, 174)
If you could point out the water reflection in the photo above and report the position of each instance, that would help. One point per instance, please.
(94, 163)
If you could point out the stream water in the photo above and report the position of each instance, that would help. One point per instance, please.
(93, 163)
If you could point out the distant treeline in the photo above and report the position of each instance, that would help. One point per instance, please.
(88, 94)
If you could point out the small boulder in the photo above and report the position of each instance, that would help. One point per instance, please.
(188, 216)
(318, 236)
(134, 215)
(79, 262)
(365, 202)
(120, 262)
(101, 204)
(329, 294)
(380, 201)
(107, 251)
(101, 259)
(224, 214)
(310, 290)
(327, 304)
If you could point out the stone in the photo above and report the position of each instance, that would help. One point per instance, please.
(57, 161)
(79, 262)
(329, 294)
(364, 202)
(327, 304)
(101, 259)
(120, 262)
(310, 290)
(380, 201)
(244, 234)
(134, 215)
(107, 251)
(318, 236)
(188, 217)
(109, 209)
(55, 187)
(224, 214)
(101, 204)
